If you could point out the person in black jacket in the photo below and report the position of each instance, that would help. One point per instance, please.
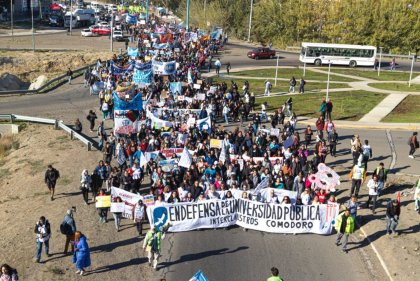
(51, 177)
(392, 216)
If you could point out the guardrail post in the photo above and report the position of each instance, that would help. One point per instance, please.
(56, 124)
(71, 135)
(89, 146)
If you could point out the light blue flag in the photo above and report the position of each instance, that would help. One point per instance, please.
(199, 276)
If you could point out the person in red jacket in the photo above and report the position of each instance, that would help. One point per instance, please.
(320, 124)
(322, 196)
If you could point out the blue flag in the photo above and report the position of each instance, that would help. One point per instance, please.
(176, 87)
(199, 276)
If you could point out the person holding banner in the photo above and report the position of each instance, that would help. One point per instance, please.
(139, 214)
(117, 215)
(102, 206)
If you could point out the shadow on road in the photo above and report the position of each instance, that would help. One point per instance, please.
(116, 266)
(111, 246)
(203, 255)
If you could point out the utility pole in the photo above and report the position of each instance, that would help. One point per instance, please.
(411, 71)
(11, 17)
(328, 81)
(71, 15)
(380, 61)
(250, 21)
(112, 32)
(188, 15)
(33, 30)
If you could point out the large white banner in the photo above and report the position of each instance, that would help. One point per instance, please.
(130, 200)
(266, 217)
(164, 68)
(122, 124)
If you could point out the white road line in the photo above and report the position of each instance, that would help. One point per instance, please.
(378, 255)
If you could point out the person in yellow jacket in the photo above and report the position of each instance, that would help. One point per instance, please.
(151, 244)
(344, 226)
(357, 176)
(274, 275)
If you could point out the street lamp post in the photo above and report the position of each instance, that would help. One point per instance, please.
(11, 17)
(112, 32)
(250, 21)
(328, 80)
(277, 68)
(304, 64)
(411, 71)
(380, 61)
(188, 15)
(71, 16)
(33, 30)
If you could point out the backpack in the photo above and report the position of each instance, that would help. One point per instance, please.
(65, 228)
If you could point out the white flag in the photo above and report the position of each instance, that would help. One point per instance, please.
(263, 184)
(222, 156)
(143, 160)
(186, 159)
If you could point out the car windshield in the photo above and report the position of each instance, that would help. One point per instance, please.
(256, 50)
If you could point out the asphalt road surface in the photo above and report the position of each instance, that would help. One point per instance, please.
(234, 254)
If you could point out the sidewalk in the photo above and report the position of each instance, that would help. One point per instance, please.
(371, 120)
(29, 32)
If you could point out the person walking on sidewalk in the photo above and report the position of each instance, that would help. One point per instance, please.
(43, 235)
(292, 84)
(268, 87)
(218, 65)
(302, 86)
(344, 226)
(69, 75)
(393, 211)
(51, 177)
(373, 192)
(414, 144)
(228, 68)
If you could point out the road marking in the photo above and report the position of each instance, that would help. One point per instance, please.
(393, 151)
(378, 255)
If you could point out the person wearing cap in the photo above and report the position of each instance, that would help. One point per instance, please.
(344, 226)
(151, 245)
(70, 229)
(139, 215)
(393, 212)
(274, 275)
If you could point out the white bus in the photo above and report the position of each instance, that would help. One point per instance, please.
(340, 54)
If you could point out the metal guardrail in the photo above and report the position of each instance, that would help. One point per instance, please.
(57, 124)
(40, 89)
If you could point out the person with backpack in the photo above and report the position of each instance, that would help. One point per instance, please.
(51, 177)
(43, 235)
(68, 228)
(151, 245)
(8, 273)
(366, 153)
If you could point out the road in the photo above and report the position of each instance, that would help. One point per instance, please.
(234, 254)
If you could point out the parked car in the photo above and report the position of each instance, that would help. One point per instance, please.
(87, 33)
(117, 35)
(261, 53)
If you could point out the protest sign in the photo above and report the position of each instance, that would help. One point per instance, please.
(130, 200)
(200, 96)
(215, 143)
(274, 218)
(103, 201)
(148, 200)
(197, 86)
(117, 207)
(275, 132)
(191, 122)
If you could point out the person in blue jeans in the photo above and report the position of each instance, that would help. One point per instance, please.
(392, 216)
(43, 235)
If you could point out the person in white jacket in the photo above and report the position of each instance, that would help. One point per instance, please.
(373, 192)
